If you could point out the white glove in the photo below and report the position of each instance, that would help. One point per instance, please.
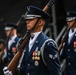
(6, 71)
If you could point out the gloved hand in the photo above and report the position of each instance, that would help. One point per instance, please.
(6, 71)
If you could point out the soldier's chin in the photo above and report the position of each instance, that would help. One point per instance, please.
(28, 29)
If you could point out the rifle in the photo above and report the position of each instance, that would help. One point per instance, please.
(14, 62)
(65, 35)
(6, 42)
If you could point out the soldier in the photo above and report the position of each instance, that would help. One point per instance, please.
(41, 53)
(11, 33)
(69, 49)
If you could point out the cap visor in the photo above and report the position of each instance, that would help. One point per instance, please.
(31, 16)
(8, 28)
(70, 18)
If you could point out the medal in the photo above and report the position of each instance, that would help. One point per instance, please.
(38, 58)
(75, 50)
(36, 54)
(33, 58)
(75, 44)
(36, 63)
(13, 49)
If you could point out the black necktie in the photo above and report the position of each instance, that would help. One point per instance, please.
(72, 30)
(32, 36)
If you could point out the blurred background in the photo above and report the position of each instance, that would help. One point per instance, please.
(12, 10)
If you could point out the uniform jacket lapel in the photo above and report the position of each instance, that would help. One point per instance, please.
(27, 51)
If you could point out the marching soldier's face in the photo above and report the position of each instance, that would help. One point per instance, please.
(10, 33)
(71, 23)
(30, 23)
(7, 32)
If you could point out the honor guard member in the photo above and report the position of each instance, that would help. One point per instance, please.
(69, 49)
(41, 53)
(10, 30)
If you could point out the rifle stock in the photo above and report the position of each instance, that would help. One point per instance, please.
(14, 62)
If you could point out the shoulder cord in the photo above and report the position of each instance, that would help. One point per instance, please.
(42, 49)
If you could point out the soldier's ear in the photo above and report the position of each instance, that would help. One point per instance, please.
(41, 22)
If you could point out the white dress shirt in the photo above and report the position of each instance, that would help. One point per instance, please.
(31, 42)
(11, 40)
(71, 34)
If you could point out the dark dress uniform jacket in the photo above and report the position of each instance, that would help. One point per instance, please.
(69, 52)
(32, 63)
(11, 52)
